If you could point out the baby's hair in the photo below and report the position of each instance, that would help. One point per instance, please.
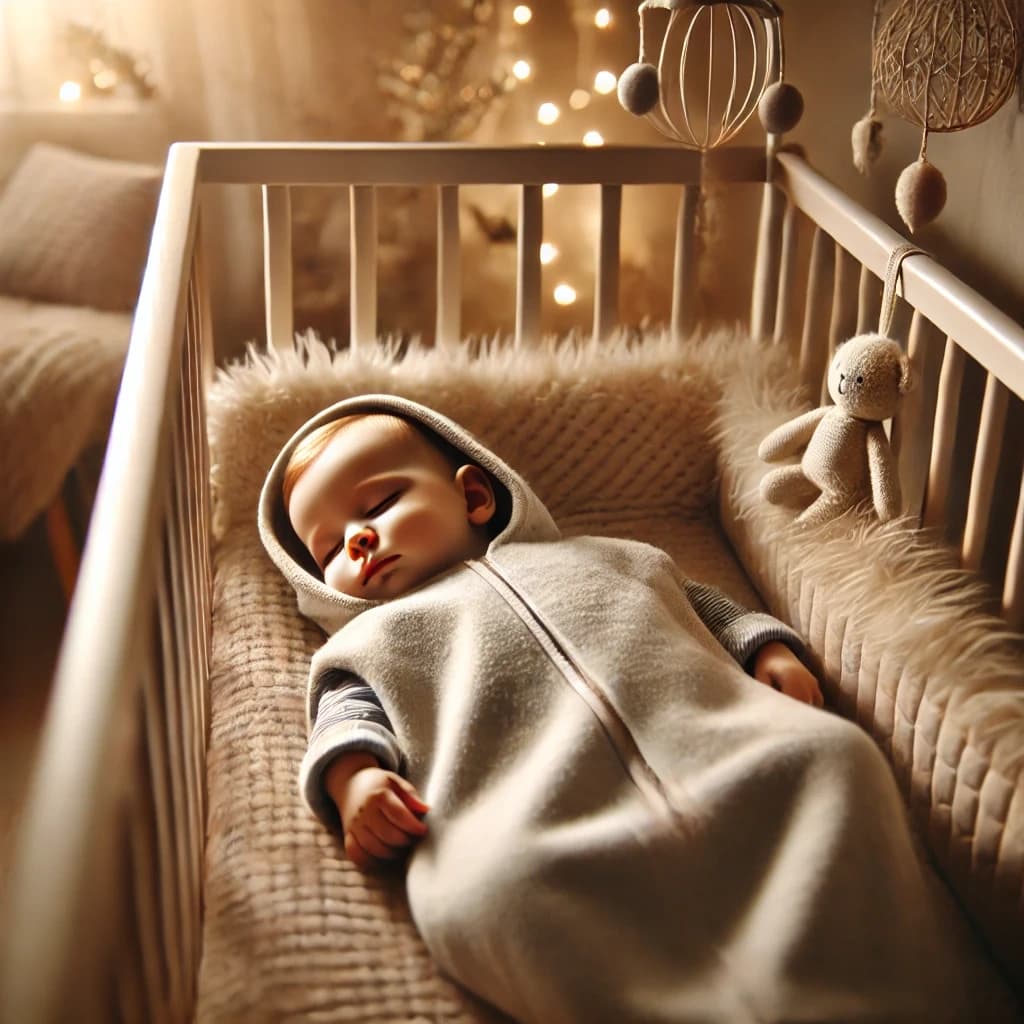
(307, 450)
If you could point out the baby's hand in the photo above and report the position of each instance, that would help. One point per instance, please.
(379, 812)
(778, 667)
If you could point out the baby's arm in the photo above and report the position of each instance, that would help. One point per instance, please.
(764, 645)
(349, 774)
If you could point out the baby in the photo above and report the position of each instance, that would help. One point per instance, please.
(608, 818)
(383, 507)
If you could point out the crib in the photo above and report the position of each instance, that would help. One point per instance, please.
(108, 915)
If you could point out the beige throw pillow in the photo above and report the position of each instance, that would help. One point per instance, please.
(75, 228)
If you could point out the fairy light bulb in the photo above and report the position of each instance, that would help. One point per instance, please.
(605, 82)
(548, 113)
(522, 70)
(603, 18)
(548, 253)
(548, 190)
(579, 99)
(593, 138)
(70, 92)
(522, 14)
(565, 294)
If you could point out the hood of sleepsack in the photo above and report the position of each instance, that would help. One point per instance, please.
(524, 516)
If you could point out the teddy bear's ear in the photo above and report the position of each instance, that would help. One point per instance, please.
(906, 377)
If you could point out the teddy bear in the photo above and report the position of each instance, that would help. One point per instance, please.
(847, 458)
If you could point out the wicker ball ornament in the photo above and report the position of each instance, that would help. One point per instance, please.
(944, 66)
(713, 64)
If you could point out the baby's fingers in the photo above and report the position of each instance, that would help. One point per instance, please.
(373, 844)
(399, 815)
(356, 853)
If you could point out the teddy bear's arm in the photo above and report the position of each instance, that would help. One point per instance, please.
(791, 436)
(885, 480)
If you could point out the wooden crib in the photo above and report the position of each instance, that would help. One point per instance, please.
(106, 895)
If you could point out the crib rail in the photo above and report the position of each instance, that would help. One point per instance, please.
(959, 447)
(103, 915)
(368, 167)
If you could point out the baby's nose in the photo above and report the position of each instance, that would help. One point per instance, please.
(361, 543)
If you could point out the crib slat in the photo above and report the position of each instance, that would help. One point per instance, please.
(189, 627)
(449, 270)
(869, 301)
(983, 475)
(363, 253)
(767, 262)
(149, 984)
(606, 291)
(787, 292)
(167, 764)
(531, 228)
(1013, 587)
(684, 278)
(954, 361)
(911, 434)
(277, 266)
(843, 321)
(817, 312)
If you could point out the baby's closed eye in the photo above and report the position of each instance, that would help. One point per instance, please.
(383, 506)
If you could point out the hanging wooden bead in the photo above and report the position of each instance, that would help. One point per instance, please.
(706, 74)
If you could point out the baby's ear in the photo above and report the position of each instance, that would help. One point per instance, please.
(480, 501)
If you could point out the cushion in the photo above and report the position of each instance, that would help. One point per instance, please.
(613, 437)
(74, 228)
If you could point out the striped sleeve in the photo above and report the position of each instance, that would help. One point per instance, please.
(740, 631)
(347, 717)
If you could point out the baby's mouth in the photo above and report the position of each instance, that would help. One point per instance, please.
(375, 565)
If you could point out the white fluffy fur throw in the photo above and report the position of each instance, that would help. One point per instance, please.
(59, 372)
(615, 438)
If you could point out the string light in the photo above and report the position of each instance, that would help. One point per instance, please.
(548, 113)
(565, 294)
(70, 92)
(605, 82)
(548, 253)
(522, 70)
(522, 14)
(603, 18)
(548, 190)
(593, 138)
(579, 99)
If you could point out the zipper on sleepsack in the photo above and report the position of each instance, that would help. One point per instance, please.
(615, 729)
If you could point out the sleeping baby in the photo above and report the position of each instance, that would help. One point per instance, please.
(605, 816)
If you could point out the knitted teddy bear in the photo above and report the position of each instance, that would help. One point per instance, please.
(847, 457)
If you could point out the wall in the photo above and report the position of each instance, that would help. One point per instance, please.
(980, 234)
(291, 69)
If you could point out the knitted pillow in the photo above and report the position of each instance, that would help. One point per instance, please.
(74, 228)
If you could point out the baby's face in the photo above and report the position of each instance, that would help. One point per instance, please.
(381, 511)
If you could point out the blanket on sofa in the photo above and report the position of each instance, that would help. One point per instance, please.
(60, 367)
